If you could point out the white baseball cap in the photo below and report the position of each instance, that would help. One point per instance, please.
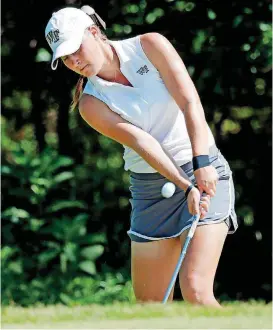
(64, 32)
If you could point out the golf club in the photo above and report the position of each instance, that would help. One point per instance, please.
(182, 255)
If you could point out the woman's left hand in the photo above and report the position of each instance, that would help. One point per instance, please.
(206, 180)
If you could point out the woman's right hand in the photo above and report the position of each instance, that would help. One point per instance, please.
(198, 204)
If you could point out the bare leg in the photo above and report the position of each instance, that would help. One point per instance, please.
(199, 266)
(152, 266)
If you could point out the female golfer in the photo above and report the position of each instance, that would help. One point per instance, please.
(138, 93)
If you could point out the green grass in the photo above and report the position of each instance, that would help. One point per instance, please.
(236, 315)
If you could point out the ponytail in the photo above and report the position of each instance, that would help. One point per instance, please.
(99, 23)
(94, 16)
(77, 93)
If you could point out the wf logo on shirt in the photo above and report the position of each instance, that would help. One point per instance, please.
(142, 70)
(53, 36)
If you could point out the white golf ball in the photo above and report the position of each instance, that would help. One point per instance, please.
(168, 190)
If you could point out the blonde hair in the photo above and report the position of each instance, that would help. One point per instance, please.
(79, 86)
(77, 94)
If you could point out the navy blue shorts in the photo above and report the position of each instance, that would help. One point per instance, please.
(154, 217)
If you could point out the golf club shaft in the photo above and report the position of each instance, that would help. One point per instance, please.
(181, 258)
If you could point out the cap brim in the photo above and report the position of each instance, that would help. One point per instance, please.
(66, 48)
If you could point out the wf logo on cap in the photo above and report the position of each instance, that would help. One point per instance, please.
(53, 36)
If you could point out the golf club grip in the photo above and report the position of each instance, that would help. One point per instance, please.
(181, 258)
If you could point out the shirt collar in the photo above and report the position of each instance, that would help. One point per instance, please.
(123, 58)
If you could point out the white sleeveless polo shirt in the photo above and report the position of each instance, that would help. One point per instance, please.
(147, 104)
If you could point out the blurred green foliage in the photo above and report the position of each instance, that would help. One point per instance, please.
(48, 213)
(59, 287)
(65, 198)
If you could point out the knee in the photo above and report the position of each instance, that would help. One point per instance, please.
(196, 289)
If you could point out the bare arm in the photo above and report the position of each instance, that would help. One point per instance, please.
(179, 84)
(108, 123)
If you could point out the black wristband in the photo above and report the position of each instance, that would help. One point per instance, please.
(188, 190)
(200, 161)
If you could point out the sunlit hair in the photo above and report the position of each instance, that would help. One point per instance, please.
(79, 86)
